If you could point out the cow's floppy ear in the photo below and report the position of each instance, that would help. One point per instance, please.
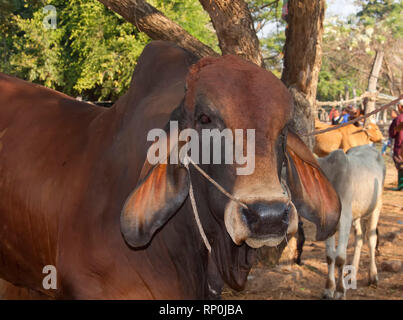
(156, 198)
(311, 192)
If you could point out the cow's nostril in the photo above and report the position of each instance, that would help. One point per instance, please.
(286, 214)
(266, 218)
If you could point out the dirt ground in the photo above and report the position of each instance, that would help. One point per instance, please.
(306, 282)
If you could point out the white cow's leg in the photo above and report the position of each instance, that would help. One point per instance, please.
(330, 259)
(341, 254)
(372, 238)
(358, 244)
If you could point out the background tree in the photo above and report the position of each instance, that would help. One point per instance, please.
(303, 46)
(349, 45)
(236, 33)
(349, 49)
(303, 59)
(92, 52)
(156, 25)
(270, 26)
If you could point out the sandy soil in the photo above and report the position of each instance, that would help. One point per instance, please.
(308, 280)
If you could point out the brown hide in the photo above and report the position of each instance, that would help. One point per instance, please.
(67, 169)
(344, 138)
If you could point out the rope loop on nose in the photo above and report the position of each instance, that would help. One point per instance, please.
(187, 160)
(194, 207)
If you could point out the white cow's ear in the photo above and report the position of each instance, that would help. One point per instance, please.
(311, 192)
(160, 193)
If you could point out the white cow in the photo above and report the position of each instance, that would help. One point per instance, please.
(358, 177)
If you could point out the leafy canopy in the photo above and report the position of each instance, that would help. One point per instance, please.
(92, 52)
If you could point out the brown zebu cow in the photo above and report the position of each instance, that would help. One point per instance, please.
(67, 169)
(344, 137)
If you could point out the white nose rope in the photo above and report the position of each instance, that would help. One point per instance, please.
(186, 161)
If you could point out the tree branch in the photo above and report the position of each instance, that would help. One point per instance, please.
(233, 23)
(269, 4)
(255, 9)
(156, 25)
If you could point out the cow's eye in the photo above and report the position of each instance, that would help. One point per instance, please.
(204, 119)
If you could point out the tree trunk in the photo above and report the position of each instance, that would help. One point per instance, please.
(233, 23)
(156, 25)
(303, 59)
(391, 78)
(303, 47)
(373, 80)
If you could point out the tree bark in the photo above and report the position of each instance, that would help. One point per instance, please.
(303, 47)
(373, 80)
(391, 78)
(303, 55)
(233, 23)
(157, 26)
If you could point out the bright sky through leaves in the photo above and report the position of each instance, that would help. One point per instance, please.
(341, 8)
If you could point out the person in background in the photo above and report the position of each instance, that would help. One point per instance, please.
(336, 117)
(344, 115)
(398, 145)
(331, 114)
(353, 112)
(388, 143)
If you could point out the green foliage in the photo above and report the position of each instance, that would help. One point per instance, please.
(102, 50)
(376, 10)
(334, 80)
(349, 48)
(384, 16)
(92, 52)
(190, 15)
(271, 30)
(38, 53)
